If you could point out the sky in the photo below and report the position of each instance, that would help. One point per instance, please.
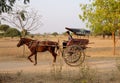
(58, 14)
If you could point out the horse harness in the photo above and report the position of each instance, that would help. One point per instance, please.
(33, 43)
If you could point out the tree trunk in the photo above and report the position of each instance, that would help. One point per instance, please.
(23, 50)
(114, 43)
(23, 35)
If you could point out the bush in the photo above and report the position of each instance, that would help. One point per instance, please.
(55, 33)
(4, 27)
(12, 32)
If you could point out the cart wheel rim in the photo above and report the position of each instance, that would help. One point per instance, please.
(70, 60)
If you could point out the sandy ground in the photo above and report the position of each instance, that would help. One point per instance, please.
(99, 48)
(100, 52)
(101, 64)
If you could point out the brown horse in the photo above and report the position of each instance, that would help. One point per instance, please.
(39, 46)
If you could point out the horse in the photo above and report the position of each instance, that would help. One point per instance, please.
(39, 46)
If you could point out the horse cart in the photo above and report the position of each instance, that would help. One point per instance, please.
(74, 54)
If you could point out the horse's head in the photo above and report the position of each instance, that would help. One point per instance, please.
(21, 42)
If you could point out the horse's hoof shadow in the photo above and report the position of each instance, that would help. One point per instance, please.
(35, 64)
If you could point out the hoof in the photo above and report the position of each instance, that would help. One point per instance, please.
(53, 64)
(35, 64)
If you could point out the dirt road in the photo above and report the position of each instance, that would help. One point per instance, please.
(101, 64)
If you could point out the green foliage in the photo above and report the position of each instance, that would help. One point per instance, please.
(12, 32)
(4, 27)
(55, 33)
(64, 33)
(6, 5)
(22, 15)
(101, 15)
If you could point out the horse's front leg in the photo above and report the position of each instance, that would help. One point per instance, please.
(35, 58)
(30, 56)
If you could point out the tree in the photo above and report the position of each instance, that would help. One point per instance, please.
(6, 5)
(4, 27)
(24, 20)
(8, 31)
(12, 32)
(55, 33)
(102, 16)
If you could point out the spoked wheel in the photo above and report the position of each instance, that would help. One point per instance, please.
(73, 55)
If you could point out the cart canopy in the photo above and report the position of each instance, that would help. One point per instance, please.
(79, 31)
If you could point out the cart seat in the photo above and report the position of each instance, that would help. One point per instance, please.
(79, 41)
(82, 42)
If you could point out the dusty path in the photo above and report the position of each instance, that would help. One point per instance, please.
(101, 64)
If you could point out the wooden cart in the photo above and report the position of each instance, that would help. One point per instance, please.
(74, 54)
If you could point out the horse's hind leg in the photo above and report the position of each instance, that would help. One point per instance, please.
(30, 56)
(54, 55)
(52, 51)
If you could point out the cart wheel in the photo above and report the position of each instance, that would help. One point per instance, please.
(73, 55)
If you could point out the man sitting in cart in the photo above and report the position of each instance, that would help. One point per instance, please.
(69, 38)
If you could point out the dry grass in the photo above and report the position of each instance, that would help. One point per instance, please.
(85, 74)
(14, 68)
